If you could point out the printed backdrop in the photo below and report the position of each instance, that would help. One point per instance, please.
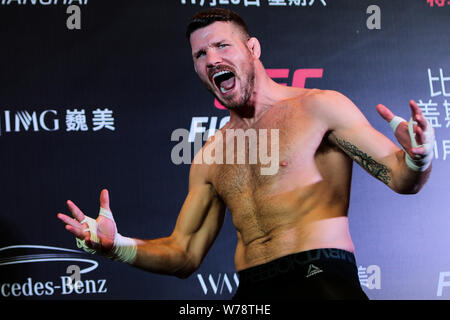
(90, 96)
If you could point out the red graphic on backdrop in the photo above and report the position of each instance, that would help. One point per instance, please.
(298, 79)
(438, 3)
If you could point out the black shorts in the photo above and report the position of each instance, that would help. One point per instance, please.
(314, 274)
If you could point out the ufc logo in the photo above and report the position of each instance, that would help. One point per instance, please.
(298, 79)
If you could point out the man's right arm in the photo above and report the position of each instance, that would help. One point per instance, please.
(197, 226)
(180, 254)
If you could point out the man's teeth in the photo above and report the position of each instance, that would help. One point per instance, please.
(220, 73)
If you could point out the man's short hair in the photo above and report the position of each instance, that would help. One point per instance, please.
(209, 16)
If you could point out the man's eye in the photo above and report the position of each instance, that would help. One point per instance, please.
(200, 54)
(223, 45)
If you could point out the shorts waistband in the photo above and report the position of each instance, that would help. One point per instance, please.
(290, 262)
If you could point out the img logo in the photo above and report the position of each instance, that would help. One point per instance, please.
(73, 120)
(216, 286)
(30, 121)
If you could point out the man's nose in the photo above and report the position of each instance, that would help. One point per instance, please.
(212, 58)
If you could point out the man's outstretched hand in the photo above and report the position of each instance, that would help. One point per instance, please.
(402, 134)
(106, 228)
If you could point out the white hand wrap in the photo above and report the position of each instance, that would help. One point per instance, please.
(421, 163)
(92, 224)
(124, 249)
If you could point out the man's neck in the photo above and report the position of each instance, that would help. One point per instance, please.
(266, 93)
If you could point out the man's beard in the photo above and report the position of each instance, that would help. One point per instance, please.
(246, 87)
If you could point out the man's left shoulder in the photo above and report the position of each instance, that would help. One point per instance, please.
(324, 100)
(324, 96)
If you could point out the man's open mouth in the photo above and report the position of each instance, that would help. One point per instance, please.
(225, 80)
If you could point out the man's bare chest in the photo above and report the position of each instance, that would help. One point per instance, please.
(256, 160)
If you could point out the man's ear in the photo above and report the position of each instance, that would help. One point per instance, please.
(254, 46)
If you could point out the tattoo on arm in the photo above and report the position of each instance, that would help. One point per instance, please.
(378, 170)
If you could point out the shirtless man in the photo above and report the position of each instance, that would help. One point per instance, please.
(292, 227)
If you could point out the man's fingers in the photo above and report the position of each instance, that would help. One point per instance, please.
(80, 234)
(385, 113)
(418, 151)
(76, 212)
(420, 135)
(104, 199)
(70, 221)
(421, 121)
(73, 226)
(417, 115)
(414, 107)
